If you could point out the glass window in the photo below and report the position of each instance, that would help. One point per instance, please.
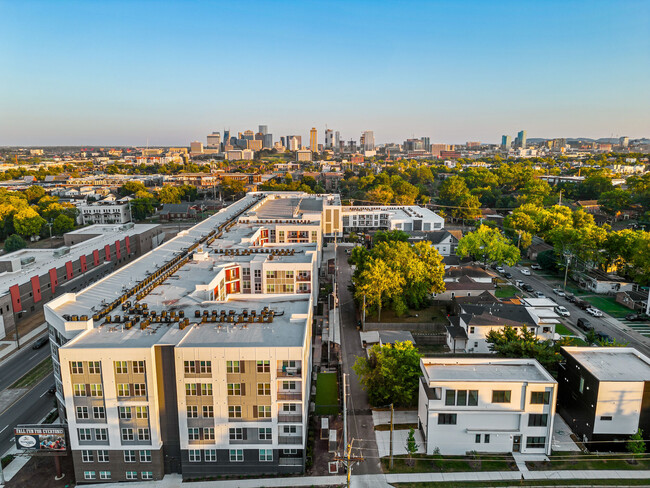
(236, 433)
(540, 397)
(192, 411)
(208, 411)
(461, 397)
(266, 455)
(145, 456)
(76, 367)
(486, 438)
(500, 396)
(99, 413)
(265, 434)
(264, 411)
(477, 439)
(138, 367)
(236, 455)
(140, 389)
(147, 475)
(193, 434)
(450, 397)
(263, 366)
(537, 420)
(264, 389)
(82, 412)
(89, 475)
(234, 411)
(79, 389)
(206, 367)
(190, 389)
(232, 367)
(206, 389)
(190, 367)
(143, 434)
(210, 455)
(447, 419)
(84, 434)
(94, 367)
(129, 456)
(127, 434)
(96, 390)
(125, 412)
(195, 455)
(208, 433)
(234, 388)
(535, 442)
(101, 434)
(121, 367)
(131, 475)
(142, 412)
(104, 475)
(472, 398)
(123, 390)
(87, 457)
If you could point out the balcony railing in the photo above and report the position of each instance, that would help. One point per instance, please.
(294, 461)
(284, 373)
(290, 439)
(285, 395)
(294, 418)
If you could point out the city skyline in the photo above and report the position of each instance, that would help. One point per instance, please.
(122, 73)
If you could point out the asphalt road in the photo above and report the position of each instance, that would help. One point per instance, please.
(20, 362)
(600, 324)
(29, 409)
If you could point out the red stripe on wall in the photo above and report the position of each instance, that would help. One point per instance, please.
(107, 249)
(84, 266)
(118, 251)
(54, 280)
(68, 269)
(127, 241)
(15, 298)
(96, 257)
(36, 288)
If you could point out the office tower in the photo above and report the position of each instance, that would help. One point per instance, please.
(214, 140)
(337, 140)
(413, 145)
(226, 137)
(313, 139)
(521, 139)
(196, 147)
(329, 139)
(368, 140)
(624, 141)
(506, 142)
(283, 141)
(426, 142)
(268, 141)
(249, 135)
(293, 143)
(264, 129)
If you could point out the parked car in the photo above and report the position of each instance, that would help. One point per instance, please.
(560, 310)
(525, 271)
(52, 390)
(570, 298)
(519, 283)
(584, 324)
(582, 304)
(500, 270)
(559, 292)
(539, 294)
(528, 288)
(602, 337)
(594, 311)
(637, 317)
(507, 275)
(535, 266)
(40, 342)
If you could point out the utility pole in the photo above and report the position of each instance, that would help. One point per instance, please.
(566, 269)
(391, 436)
(348, 460)
(345, 411)
(363, 318)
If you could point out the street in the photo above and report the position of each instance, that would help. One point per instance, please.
(21, 361)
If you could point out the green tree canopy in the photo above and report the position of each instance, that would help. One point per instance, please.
(14, 243)
(169, 194)
(62, 224)
(488, 244)
(28, 223)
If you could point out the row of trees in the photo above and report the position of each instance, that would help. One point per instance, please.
(144, 201)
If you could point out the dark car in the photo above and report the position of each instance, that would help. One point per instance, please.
(527, 287)
(637, 317)
(603, 338)
(40, 342)
(507, 275)
(570, 298)
(584, 324)
(52, 390)
(582, 304)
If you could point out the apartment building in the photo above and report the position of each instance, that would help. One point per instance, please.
(407, 218)
(196, 358)
(104, 213)
(604, 394)
(486, 405)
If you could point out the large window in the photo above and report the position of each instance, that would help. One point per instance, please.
(82, 412)
(138, 367)
(190, 367)
(85, 435)
(540, 397)
(264, 389)
(192, 411)
(79, 390)
(129, 456)
(140, 389)
(208, 411)
(208, 433)
(123, 390)
(206, 367)
(263, 366)
(264, 411)
(101, 434)
(94, 367)
(127, 434)
(537, 420)
(234, 389)
(265, 434)
(96, 390)
(87, 457)
(232, 367)
(190, 389)
(102, 456)
(99, 413)
(236, 455)
(266, 455)
(500, 396)
(143, 434)
(195, 455)
(447, 419)
(131, 475)
(76, 367)
(125, 412)
(461, 397)
(121, 367)
(535, 442)
(234, 411)
(142, 412)
(236, 433)
(145, 456)
(210, 455)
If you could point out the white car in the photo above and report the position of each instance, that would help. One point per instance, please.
(560, 310)
(559, 292)
(500, 270)
(519, 283)
(525, 271)
(539, 294)
(594, 311)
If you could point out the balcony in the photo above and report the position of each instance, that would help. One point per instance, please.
(287, 461)
(287, 395)
(293, 418)
(290, 439)
(288, 373)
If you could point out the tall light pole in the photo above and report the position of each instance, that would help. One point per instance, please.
(566, 269)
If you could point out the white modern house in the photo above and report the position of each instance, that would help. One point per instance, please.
(486, 405)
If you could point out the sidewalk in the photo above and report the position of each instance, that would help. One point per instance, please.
(24, 340)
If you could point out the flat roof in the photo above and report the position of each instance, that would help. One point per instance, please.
(612, 363)
(496, 370)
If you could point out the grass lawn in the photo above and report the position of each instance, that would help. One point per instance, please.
(608, 305)
(507, 291)
(481, 484)
(563, 330)
(327, 394)
(40, 371)
(589, 461)
(576, 341)
(435, 313)
(448, 464)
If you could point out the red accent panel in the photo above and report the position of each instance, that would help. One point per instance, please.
(107, 249)
(68, 269)
(127, 241)
(54, 280)
(96, 257)
(15, 298)
(36, 288)
(118, 251)
(84, 266)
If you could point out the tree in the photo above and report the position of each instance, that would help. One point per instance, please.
(131, 187)
(141, 208)
(14, 242)
(411, 445)
(612, 202)
(377, 283)
(636, 444)
(169, 194)
(27, 222)
(34, 193)
(62, 224)
(232, 187)
(488, 244)
(390, 236)
(382, 194)
(390, 374)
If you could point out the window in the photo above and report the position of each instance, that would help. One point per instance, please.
(190, 367)
(195, 455)
(192, 411)
(289, 385)
(206, 389)
(138, 367)
(461, 397)
(87, 457)
(210, 455)
(537, 420)
(129, 456)
(540, 397)
(96, 390)
(486, 438)
(206, 367)
(121, 367)
(82, 412)
(232, 367)
(234, 411)
(190, 389)
(471, 330)
(84, 435)
(234, 389)
(145, 456)
(89, 475)
(140, 389)
(258, 287)
(125, 412)
(447, 419)
(76, 367)
(99, 413)
(606, 417)
(104, 475)
(79, 390)
(266, 454)
(208, 411)
(290, 451)
(265, 434)
(500, 396)
(477, 439)
(264, 388)
(236, 455)
(236, 433)
(142, 412)
(143, 434)
(581, 388)
(94, 367)
(132, 475)
(147, 475)
(101, 434)
(208, 433)
(193, 434)
(289, 407)
(290, 429)
(263, 366)
(535, 442)
(102, 456)
(127, 434)
(123, 390)
(264, 411)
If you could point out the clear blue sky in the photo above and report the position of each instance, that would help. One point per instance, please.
(122, 72)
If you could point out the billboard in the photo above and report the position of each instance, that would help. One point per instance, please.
(40, 438)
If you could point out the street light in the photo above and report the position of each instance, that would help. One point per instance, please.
(566, 269)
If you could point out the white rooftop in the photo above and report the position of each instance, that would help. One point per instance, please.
(613, 363)
(478, 369)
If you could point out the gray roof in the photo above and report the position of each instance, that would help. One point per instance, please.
(612, 363)
(489, 370)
